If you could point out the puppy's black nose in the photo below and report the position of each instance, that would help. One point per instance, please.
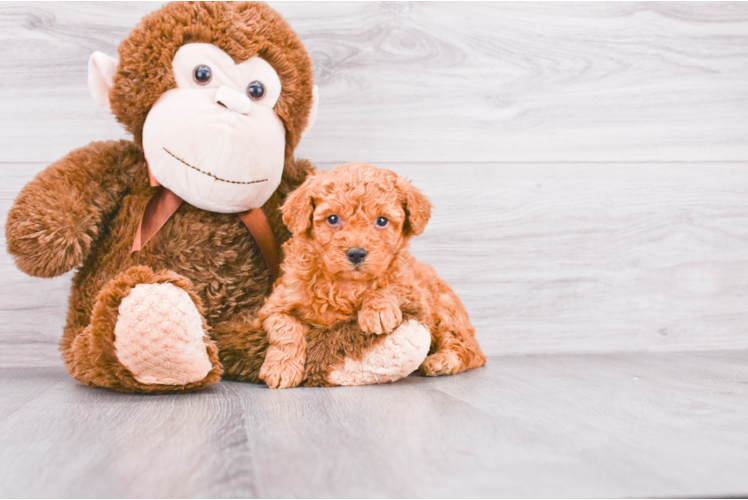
(356, 255)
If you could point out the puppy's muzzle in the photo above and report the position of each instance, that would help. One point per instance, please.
(356, 255)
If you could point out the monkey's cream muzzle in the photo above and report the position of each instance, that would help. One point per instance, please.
(209, 142)
(214, 148)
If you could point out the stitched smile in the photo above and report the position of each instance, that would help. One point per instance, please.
(209, 174)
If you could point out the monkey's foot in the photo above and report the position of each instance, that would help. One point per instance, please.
(159, 336)
(396, 356)
(146, 334)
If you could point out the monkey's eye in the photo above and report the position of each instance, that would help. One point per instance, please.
(382, 222)
(333, 220)
(202, 74)
(256, 90)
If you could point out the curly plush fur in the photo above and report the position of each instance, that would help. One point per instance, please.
(322, 288)
(83, 211)
(241, 29)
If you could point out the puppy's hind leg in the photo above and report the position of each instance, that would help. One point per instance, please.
(453, 338)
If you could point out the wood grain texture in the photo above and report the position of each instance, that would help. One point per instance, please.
(588, 163)
(620, 425)
(488, 81)
(547, 258)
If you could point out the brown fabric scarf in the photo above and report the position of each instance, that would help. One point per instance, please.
(164, 203)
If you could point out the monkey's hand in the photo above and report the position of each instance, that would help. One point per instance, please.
(58, 215)
(286, 355)
(380, 315)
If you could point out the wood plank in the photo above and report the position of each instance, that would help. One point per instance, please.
(619, 425)
(592, 257)
(20, 386)
(546, 257)
(32, 310)
(483, 81)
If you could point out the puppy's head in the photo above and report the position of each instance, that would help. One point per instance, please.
(356, 217)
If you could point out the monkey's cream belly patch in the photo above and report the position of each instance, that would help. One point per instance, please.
(397, 356)
(159, 336)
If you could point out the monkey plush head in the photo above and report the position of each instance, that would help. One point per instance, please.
(217, 94)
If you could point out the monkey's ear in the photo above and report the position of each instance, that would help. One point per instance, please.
(299, 205)
(101, 71)
(417, 208)
(312, 112)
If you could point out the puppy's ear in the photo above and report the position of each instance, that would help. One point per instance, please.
(298, 208)
(417, 208)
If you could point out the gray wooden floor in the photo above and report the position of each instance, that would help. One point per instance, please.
(588, 164)
(663, 424)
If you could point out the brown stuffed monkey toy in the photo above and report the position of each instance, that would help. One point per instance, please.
(175, 235)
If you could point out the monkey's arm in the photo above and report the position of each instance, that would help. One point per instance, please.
(60, 213)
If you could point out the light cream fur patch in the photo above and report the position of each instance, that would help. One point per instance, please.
(159, 336)
(397, 356)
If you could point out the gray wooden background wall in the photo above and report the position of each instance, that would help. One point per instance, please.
(588, 161)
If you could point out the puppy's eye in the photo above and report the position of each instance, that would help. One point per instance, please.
(256, 90)
(382, 222)
(202, 74)
(333, 220)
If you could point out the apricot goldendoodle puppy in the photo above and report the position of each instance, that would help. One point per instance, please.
(348, 258)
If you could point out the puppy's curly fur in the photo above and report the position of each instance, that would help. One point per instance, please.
(358, 206)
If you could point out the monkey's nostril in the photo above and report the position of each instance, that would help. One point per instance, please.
(233, 100)
(356, 255)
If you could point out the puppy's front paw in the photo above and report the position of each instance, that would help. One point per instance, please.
(379, 321)
(442, 363)
(281, 371)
